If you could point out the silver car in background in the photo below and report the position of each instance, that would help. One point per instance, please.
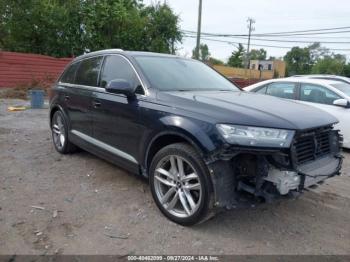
(329, 95)
(343, 79)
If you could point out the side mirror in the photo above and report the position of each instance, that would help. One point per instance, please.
(341, 102)
(120, 86)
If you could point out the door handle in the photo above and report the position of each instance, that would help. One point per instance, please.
(97, 104)
(66, 97)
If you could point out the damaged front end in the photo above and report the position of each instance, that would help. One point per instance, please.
(244, 176)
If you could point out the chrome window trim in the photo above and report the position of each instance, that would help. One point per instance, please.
(104, 146)
(100, 89)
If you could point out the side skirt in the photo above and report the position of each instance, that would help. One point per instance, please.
(105, 151)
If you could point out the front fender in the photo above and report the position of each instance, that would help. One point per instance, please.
(182, 127)
(192, 130)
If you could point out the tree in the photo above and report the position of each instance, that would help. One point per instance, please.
(298, 61)
(346, 71)
(69, 28)
(204, 53)
(161, 30)
(44, 27)
(236, 58)
(317, 52)
(302, 60)
(215, 61)
(258, 54)
(331, 64)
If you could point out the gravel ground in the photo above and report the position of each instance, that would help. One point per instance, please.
(80, 204)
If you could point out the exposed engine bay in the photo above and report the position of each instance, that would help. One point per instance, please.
(243, 177)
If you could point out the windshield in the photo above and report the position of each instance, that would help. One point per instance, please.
(177, 74)
(343, 87)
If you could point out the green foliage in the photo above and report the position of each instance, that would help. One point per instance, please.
(346, 71)
(215, 61)
(333, 64)
(298, 61)
(161, 29)
(258, 54)
(315, 59)
(204, 53)
(69, 28)
(236, 58)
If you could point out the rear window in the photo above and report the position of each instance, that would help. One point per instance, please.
(261, 90)
(282, 90)
(88, 71)
(69, 75)
(343, 87)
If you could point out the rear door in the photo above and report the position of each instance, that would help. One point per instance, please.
(115, 117)
(323, 98)
(78, 95)
(287, 90)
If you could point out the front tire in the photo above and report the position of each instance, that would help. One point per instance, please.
(59, 130)
(180, 184)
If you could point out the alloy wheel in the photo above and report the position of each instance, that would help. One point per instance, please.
(177, 186)
(58, 131)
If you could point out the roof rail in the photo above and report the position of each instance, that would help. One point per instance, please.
(113, 49)
(101, 52)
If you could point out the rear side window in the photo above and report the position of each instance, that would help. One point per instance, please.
(69, 75)
(317, 94)
(88, 71)
(282, 90)
(116, 67)
(261, 90)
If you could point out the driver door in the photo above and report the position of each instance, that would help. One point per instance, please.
(115, 117)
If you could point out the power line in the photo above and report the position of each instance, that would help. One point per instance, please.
(259, 45)
(311, 37)
(316, 38)
(293, 41)
(299, 34)
(276, 40)
(270, 35)
(309, 30)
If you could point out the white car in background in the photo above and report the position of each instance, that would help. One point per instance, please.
(327, 77)
(329, 95)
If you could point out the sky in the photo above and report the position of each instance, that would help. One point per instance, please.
(230, 17)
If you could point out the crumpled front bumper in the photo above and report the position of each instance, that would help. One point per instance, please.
(319, 170)
(226, 186)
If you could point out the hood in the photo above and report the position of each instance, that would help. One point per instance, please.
(244, 108)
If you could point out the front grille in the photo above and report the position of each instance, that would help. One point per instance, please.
(312, 145)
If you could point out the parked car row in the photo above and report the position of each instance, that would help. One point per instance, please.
(326, 92)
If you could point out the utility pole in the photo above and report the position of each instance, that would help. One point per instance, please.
(250, 21)
(199, 29)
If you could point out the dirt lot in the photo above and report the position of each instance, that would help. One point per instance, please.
(92, 207)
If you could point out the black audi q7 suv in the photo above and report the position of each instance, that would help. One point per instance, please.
(203, 144)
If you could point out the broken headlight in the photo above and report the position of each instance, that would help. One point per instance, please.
(256, 136)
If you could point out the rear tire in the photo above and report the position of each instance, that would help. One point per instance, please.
(59, 131)
(180, 184)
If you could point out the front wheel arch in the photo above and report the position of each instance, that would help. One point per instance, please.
(167, 138)
(54, 109)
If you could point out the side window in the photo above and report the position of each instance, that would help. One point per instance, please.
(69, 75)
(261, 90)
(280, 89)
(317, 94)
(116, 67)
(87, 73)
